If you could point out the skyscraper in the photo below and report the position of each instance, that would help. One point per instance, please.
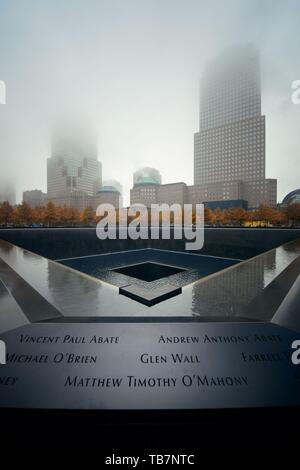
(7, 191)
(230, 145)
(73, 171)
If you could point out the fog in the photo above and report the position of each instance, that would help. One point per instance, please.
(115, 184)
(130, 69)
(147, 172)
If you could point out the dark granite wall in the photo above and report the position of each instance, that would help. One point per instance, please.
(66, 243)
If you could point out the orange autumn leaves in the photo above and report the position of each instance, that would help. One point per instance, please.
(51, 215)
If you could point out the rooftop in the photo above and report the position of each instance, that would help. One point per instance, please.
(108, 189)
(146, 180)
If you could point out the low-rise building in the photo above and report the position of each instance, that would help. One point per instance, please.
(261, 191)
(172, 193)
(35, 198)
(108, 195)
(254, 192)
(144, 192)
(75, 199)
(220, 191)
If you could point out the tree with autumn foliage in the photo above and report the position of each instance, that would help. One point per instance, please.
(235, 215)
(63, 215)
(6, 213)
(264, 214)
(208, 216)
(72, 216)
(278, 217)
(23, 214)
(50, 215)
(218, 216)
(87, 216)
(38, 215)
(292, 213)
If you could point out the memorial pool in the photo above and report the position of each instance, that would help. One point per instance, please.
(85, 286)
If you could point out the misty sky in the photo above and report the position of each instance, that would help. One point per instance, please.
(131, 69)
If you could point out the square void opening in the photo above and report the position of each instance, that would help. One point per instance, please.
(148, 271)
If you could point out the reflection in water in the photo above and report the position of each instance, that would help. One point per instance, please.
(284, 255)
(8, 251)
(228, 293)
(11, 315)
(77, 287)
(29, 255)
(107, 267)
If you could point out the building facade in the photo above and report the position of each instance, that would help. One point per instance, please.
(108, 195)
(230, 144)
(75, 199)
(73, 172)
(262, 191)
(223, 190)
(144, 192)
(172, 193)
(35, 198)
(223, 194)
(66, 174)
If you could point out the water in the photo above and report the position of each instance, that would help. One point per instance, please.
(215, 288)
